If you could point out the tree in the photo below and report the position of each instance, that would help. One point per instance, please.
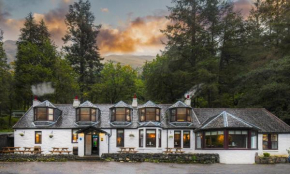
(83, 52)
(117, 83)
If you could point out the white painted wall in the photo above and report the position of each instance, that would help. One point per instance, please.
(61, 138)
(283, 144)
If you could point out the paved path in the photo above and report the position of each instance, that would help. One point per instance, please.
(127, 168)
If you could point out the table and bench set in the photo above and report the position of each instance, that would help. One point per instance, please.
(34, 150)
(168, 150)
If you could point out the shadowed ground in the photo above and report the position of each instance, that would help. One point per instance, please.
(115, 167)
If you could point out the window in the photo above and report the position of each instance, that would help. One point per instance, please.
(214, 139)
(177, 138)
(238, 139)
(120, 114)
(180, 115)
(159, 137)
(254, 139)
(199, 140)
(150, 138)
(186, 139)
(141, 137)
(74, 136)
(120, 137)
(270, 141)
(38, 137)
(87, 114)
(43, 114)
(149, 114)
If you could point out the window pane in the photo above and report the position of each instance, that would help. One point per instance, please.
(38, 137)
(85, 114)
(128, 115)
(120, 114)
(253, 140)
(173, 115)
(238, 140)
(74, 136)
(159, 137)
(181, 114)
(177, 139)
(142, 114)
(213, 140)
(274, 145)
(274, 137)
(150, 138)
(198, 140)
(244, 132)
(50, 117)
(220, 132)
(150, 114)
(41, 114)
(141, 137)
(186, 139)
(120, 138)
(231, 132)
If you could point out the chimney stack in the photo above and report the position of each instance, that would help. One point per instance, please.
(134, 103)
(188, 100)
(35, 102)
(76, 102)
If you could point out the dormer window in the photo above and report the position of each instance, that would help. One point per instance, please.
(43, 114)
(149, 114)
(87, 114)
(121, 114)
(180, 115)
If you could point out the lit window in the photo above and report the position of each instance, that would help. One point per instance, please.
(177, 138)
(74, 136)
(180, 115)
(43, 114)
(87, 114)
(50, 114)
(150, 138)
(186, 139)
(238, 139)
(149, 114)
(214, 139)
(38, 137)
(270, 141)
(120, 137)
(120, 114)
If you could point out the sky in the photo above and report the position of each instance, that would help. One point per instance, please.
(128, 26)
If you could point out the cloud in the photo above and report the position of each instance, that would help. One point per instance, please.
(244, 7)
(105, 10)
(142, 35)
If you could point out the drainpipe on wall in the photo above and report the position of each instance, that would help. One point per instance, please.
(109, 136)
(167, 139)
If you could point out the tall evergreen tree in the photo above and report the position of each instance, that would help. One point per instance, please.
(82, 51)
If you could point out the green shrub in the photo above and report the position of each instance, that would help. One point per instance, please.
(266, 154)
(193, 158)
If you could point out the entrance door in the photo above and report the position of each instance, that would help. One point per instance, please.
(95, 145)
(88, 144)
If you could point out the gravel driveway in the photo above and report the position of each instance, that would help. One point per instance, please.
(116, 168)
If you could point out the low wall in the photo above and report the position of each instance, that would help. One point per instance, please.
(36, 157)
(159, 157)
(271, 160)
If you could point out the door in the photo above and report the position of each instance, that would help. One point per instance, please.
(88, 145)
(95, 145)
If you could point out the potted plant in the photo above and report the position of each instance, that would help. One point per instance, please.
(50, 136)
(171, 136)
(21, 134)
(131, 135)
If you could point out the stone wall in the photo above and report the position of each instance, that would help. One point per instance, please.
(35, 157)
(159, 157)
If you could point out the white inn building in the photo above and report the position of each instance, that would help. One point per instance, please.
(236, 134)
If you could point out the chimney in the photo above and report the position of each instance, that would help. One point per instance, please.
(188, 100)
(134, 103)
(76, 102)
(35, 102)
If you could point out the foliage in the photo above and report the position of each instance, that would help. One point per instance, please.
(83, 52)
(266, 154)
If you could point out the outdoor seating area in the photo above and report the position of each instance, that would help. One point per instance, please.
(170, 150)
(60, 150)
(18, 150)
(127, 150)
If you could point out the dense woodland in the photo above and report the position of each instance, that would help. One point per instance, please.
(232, 60)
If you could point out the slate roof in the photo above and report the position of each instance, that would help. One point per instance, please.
(179, 104)
(238, 117)
(46, 103)
(87, 104)
(122, 104)
(149, 104)
(226, 120)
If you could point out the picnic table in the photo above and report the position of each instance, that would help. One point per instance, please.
(130, 150)
(179, 150)
(60, 150)
(10, 149)
(168, 150)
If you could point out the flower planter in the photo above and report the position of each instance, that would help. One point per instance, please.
(50, 136)
(21, 134)
(132, 135)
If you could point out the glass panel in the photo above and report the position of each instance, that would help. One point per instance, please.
(120, 138)
(128, 117)
(181, 114)
(214, 140)
(142, 114)
(186, 139)
(141, 136)
(238, 140)
(207, 133)
(244, 132)
(38, 137)
(231, 132)
(198, 140)
(50, 117)
(50, 111)
(274, 137)
(41, 114)
(120, 114)
(214, 133)
(274, 145)
(173, 115)
(74, 136)
(85, 114)
(253, 140)
(220, 132)
(177, 139)
(159, 137)
(150, 114)
(150, 138)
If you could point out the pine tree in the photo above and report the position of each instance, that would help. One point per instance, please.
(83, 52)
